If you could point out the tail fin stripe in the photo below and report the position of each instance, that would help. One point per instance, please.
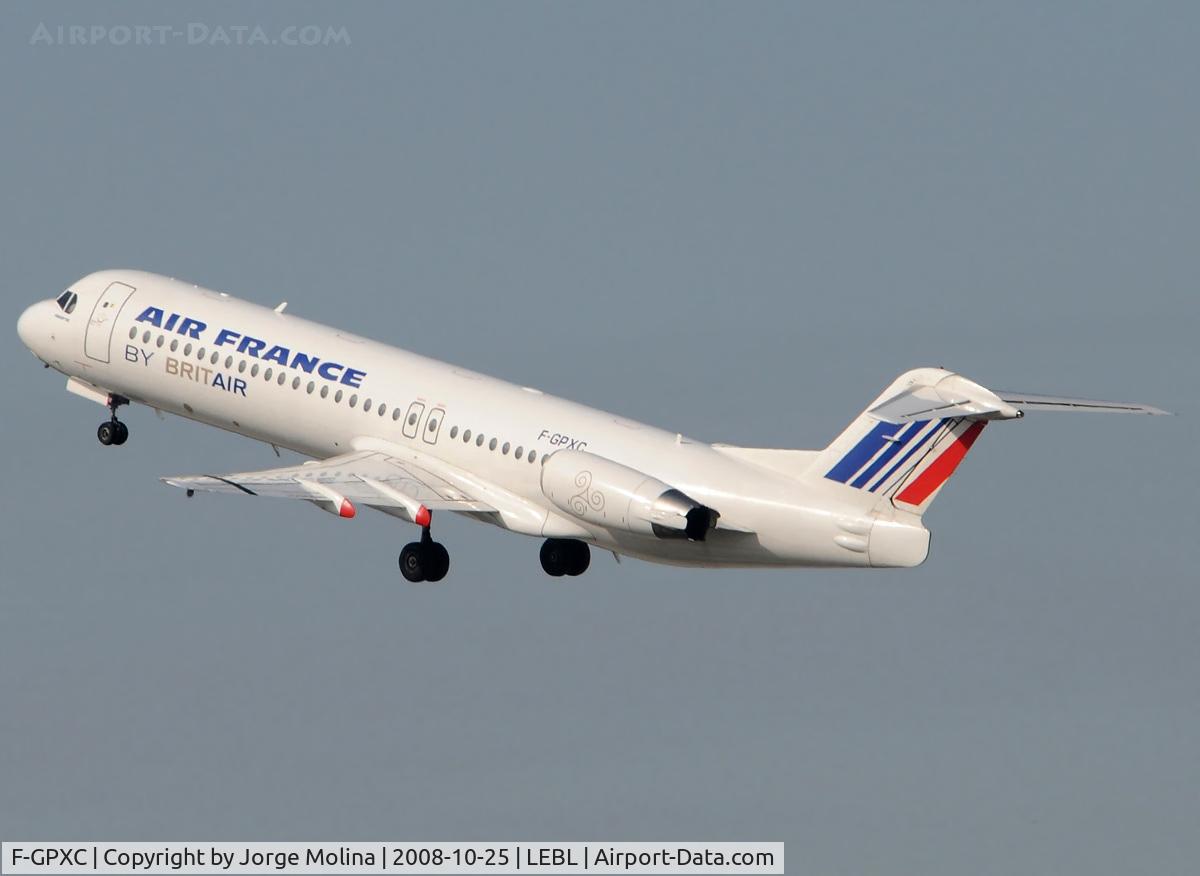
(941, 468)
(861, 453)
(907, 456)
(902, 438)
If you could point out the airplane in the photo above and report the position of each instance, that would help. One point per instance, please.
(410, 436)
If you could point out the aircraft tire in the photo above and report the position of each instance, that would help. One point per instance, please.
(411, 565)
(579, 558)
(554, 555)
(436, 561)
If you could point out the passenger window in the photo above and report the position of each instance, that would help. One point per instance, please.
(311, 387)
(505, 448)
(492, 444)
(337, 397)
(454, 431)
(466, 436)
(382, 409)
(133, 333)
(268, 374)
(325, 391)
(532, 455)
(519, 452)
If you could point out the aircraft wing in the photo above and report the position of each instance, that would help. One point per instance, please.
(366, 477)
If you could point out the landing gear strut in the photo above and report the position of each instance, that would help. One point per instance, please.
(112, 430)
(424, 560)
(565, 556)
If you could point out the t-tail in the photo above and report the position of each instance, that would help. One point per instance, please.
(905, 446)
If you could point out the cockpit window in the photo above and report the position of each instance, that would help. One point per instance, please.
(67, 301)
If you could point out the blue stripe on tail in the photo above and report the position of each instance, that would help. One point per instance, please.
(891, 471)
(902, 438)
(867, 447)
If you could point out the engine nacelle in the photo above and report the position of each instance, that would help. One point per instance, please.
(600, 491)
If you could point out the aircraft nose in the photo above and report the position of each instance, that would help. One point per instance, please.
(27, 325)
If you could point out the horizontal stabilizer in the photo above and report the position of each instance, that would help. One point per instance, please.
(926, 403)
(1027, 401)
(955, 396)
(950, 396)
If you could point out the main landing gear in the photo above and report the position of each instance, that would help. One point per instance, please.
(565, 556)
(112, 430)
(424, 560)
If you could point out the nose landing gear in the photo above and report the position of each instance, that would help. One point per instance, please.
(565, 556)
(424, 560)
(113, 431)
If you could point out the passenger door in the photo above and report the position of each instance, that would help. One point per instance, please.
(103, 320)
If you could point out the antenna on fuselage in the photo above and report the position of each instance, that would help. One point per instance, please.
(282, 307)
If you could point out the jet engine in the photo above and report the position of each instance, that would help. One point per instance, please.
(597, 490)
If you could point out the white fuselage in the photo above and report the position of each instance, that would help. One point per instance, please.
(219, 360)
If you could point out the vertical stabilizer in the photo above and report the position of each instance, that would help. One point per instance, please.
(902, 460)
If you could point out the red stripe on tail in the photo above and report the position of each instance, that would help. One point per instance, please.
(941, 468)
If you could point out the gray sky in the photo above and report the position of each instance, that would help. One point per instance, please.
(736, 221)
